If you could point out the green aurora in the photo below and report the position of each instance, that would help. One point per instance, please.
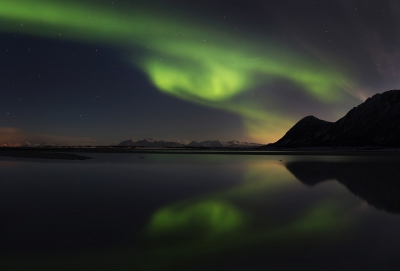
(186, 59)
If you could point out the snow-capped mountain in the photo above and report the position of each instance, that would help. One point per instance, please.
(148, 142)
(208, 144)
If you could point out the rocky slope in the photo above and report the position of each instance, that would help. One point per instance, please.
(376, 122)
(306, 130)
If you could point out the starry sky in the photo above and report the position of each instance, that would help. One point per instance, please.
(98, 72)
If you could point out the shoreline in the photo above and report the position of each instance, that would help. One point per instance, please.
(40, 154)
(72, 153)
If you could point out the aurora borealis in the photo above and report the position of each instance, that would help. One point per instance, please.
(98, 72)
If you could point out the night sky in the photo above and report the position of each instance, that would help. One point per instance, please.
(98, 72)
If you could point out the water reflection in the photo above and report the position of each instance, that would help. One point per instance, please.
(197, 213)
(374, 180)
(269, 208)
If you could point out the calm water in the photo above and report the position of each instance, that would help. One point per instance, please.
(200, 212)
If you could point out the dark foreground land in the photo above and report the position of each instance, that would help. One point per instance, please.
(41, 154)
(76, 153)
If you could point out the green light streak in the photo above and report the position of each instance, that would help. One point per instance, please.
(183, 58)
(207, 82)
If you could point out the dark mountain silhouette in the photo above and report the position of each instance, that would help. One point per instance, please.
(376, 181)
(306, 130)
(376, 122)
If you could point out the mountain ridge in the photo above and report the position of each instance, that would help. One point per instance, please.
(375, 122)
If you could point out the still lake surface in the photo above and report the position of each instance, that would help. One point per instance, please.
(200, 212)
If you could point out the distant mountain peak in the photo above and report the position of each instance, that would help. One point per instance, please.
(128, 142)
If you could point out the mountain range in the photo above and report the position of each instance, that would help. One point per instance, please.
(376, 122)
(149, 142)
